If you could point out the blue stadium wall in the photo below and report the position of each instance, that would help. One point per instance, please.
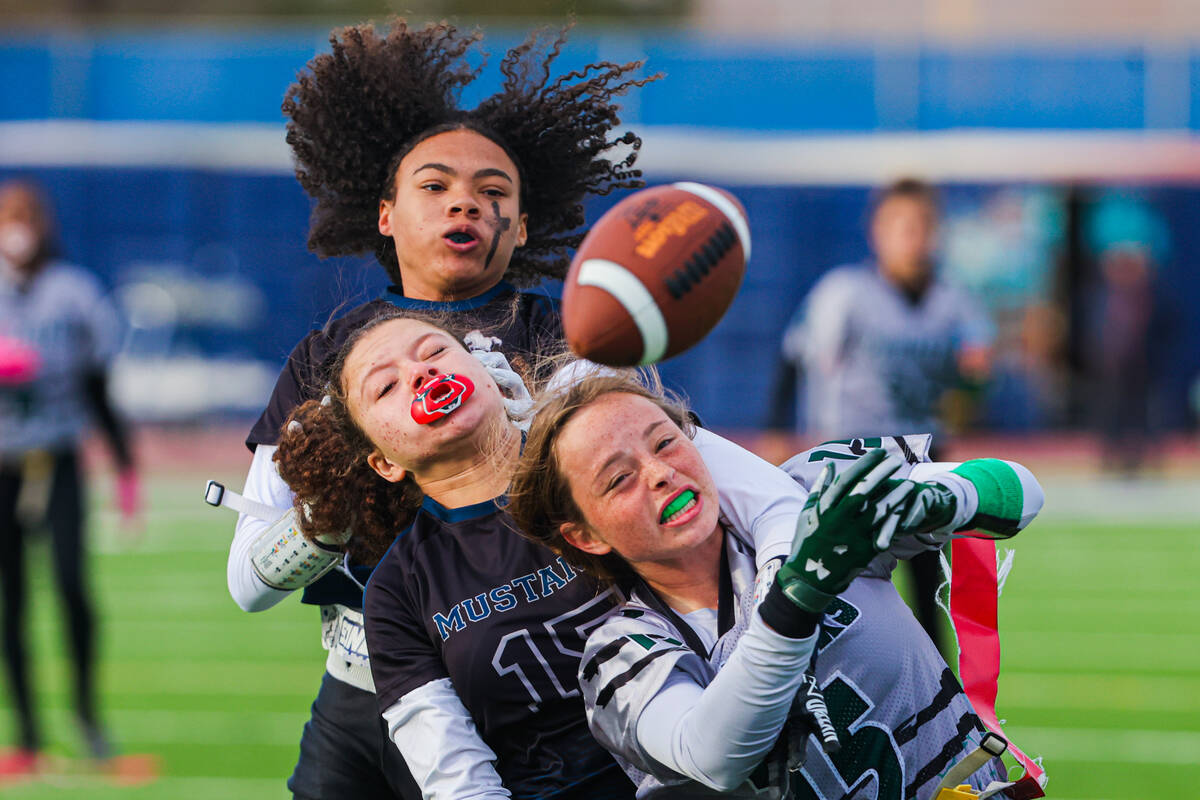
(115, 216)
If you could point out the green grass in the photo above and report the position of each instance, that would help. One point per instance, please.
(218, 695)
(1100, 646)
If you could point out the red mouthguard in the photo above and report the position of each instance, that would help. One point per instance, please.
(441, 397)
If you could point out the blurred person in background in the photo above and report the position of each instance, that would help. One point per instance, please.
(460, 207)
(1006, 249)
(59, 334)
(1129, 241)
(876, 346)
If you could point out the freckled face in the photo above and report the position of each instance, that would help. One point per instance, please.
(638, 480)
(455, 217)
(388, 367)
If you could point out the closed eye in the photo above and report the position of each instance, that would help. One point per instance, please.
(616, 482)
(664, 443)
(387, 387)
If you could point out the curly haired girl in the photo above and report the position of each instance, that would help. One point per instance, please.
(460, 205)
(464, 667)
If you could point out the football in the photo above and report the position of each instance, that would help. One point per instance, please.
(655, 274)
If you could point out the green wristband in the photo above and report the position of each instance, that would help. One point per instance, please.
(1001, 498)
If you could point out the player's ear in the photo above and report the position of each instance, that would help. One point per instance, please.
(385, 218)
(581, 538)
(385, 468)
(522, 229)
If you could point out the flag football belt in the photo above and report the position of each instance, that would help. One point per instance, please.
(344, 636)
(974, 595)
(281, 555)
(953, 787)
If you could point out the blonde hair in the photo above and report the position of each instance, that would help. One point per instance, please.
(540, 500)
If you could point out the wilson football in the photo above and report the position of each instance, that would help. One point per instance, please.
(655, 274)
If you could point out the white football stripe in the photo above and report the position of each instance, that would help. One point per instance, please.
(727, 208)
(630, 292)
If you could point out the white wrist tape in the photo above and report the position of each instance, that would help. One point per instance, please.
(280, 554)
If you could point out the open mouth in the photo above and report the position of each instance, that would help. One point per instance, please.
(440, 393)
(441, 397)
(460, 237)
(684, 502)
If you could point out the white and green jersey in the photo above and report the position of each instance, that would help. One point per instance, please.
(901, 715)
(645, 647)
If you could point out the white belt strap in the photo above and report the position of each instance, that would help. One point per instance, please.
(215, 494)
(989, 747)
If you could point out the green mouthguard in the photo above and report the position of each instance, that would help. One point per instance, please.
(678, 503)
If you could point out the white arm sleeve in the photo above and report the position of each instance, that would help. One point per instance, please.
(756, 497)
(718, 734)
(437, 738)
(264, 485)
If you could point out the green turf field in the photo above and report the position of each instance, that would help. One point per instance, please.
(1101, 659)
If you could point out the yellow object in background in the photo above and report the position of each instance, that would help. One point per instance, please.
(962, 792)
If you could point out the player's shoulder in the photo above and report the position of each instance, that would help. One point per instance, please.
(342, 325)
(845, 281)
(850, 276)
(532, 308)
(949, 293)
(628, 639)
(70, 280)
(393, 567)
(538, 300)
(841, 453)
(436, 532)
(319, 344)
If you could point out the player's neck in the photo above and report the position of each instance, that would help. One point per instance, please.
(482, 475)
(912, 285)
(440, 292)
(690, 582)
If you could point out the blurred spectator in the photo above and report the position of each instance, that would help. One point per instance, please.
(1129, 241)
(59, 334)
(1005, 252)
(879, 344)
(1028, 387)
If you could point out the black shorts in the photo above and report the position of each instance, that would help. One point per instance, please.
(345, 751)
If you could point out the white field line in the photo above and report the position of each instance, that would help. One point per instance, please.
(1187, 643)
(1071, 691)
(1108, 499)
(1094, 745)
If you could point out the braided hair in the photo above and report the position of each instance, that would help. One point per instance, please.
(356, 111)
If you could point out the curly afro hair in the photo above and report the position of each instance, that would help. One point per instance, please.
(356, 111)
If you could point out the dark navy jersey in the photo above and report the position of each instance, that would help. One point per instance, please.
(527, 324)
(461, 595)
